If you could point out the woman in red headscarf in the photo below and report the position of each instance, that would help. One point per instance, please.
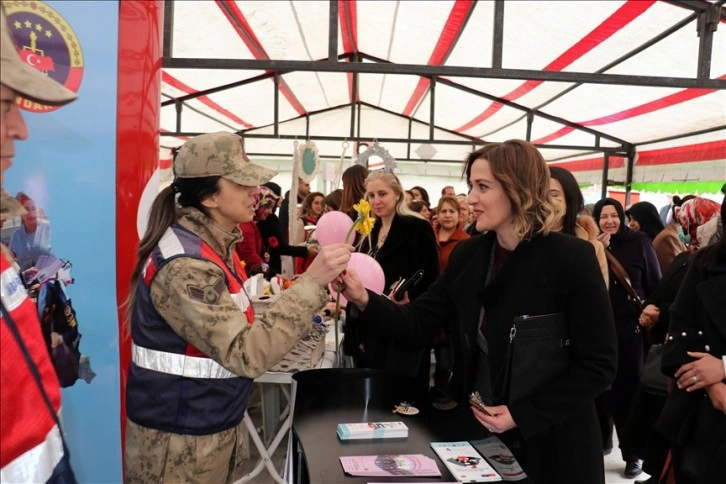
(696, 213)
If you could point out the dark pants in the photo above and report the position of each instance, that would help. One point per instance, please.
(444, 352)
(640, 432)
(616, 418)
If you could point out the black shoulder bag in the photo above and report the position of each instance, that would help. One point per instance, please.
(538, 352)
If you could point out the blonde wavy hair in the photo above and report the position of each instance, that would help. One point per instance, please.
(395, 184)
(525, 178)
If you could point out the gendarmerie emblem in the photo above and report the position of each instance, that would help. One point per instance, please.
(45, 41)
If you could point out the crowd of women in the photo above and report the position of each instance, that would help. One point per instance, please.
(538, 272)
(518, 254)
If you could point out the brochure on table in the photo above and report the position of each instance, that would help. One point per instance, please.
(388, 465)
(464, 462)
(372, 430)
(500, 457)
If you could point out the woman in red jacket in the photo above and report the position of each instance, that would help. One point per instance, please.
(251, 249)
(448, 231)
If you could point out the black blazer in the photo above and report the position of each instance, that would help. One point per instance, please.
(409, 246)
(688, 420)
(557, 438)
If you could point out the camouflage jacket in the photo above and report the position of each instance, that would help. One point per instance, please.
(220, 329)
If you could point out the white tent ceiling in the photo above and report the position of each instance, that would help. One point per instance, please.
(641, 85)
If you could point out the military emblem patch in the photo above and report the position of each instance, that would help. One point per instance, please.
(207, 294)
(46, 42)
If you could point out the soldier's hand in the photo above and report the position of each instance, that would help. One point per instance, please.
(329, 263)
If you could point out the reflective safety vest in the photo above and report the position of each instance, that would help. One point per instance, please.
(173, 386)
(31, 447)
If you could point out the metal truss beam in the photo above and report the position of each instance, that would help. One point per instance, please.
(697, 5)
(247, 134)
(683, 135)
(442, 70)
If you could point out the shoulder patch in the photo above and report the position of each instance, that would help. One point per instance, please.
(209, 294)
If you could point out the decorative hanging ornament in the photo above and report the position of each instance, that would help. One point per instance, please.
(377, 158)
(307, 161)
(339, 168)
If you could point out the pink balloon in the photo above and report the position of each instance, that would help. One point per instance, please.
(333, 227)
(369, 271)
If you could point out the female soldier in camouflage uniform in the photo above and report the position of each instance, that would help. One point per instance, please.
(197, 344)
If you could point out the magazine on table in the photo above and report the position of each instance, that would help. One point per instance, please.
(464, 462)
(387, 465)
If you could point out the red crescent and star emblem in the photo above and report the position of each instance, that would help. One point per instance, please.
(46, 42)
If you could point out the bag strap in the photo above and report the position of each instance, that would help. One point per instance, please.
(12, 326)
(622, 277)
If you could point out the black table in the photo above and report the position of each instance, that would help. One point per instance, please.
(325, 398)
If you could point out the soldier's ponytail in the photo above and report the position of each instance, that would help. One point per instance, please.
(163, 214)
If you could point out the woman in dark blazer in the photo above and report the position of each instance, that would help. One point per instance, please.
(402, 243)
(519, 268)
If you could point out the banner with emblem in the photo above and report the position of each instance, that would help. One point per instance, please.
(66, 173)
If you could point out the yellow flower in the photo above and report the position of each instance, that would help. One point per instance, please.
(363, 208)
(364, 223)
(365, 226)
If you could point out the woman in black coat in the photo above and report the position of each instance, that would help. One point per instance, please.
(519, 269)
(695, 354)
(402, 243)
(635, 252)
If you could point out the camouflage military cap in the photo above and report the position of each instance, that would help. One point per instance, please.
(219, 154)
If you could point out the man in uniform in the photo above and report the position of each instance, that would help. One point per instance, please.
(31, 443)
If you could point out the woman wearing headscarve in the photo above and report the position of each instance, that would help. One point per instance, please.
(635, 253)
(694, 418)
(643, 216)
(671, 241)
(649, 400)
(695, 213)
